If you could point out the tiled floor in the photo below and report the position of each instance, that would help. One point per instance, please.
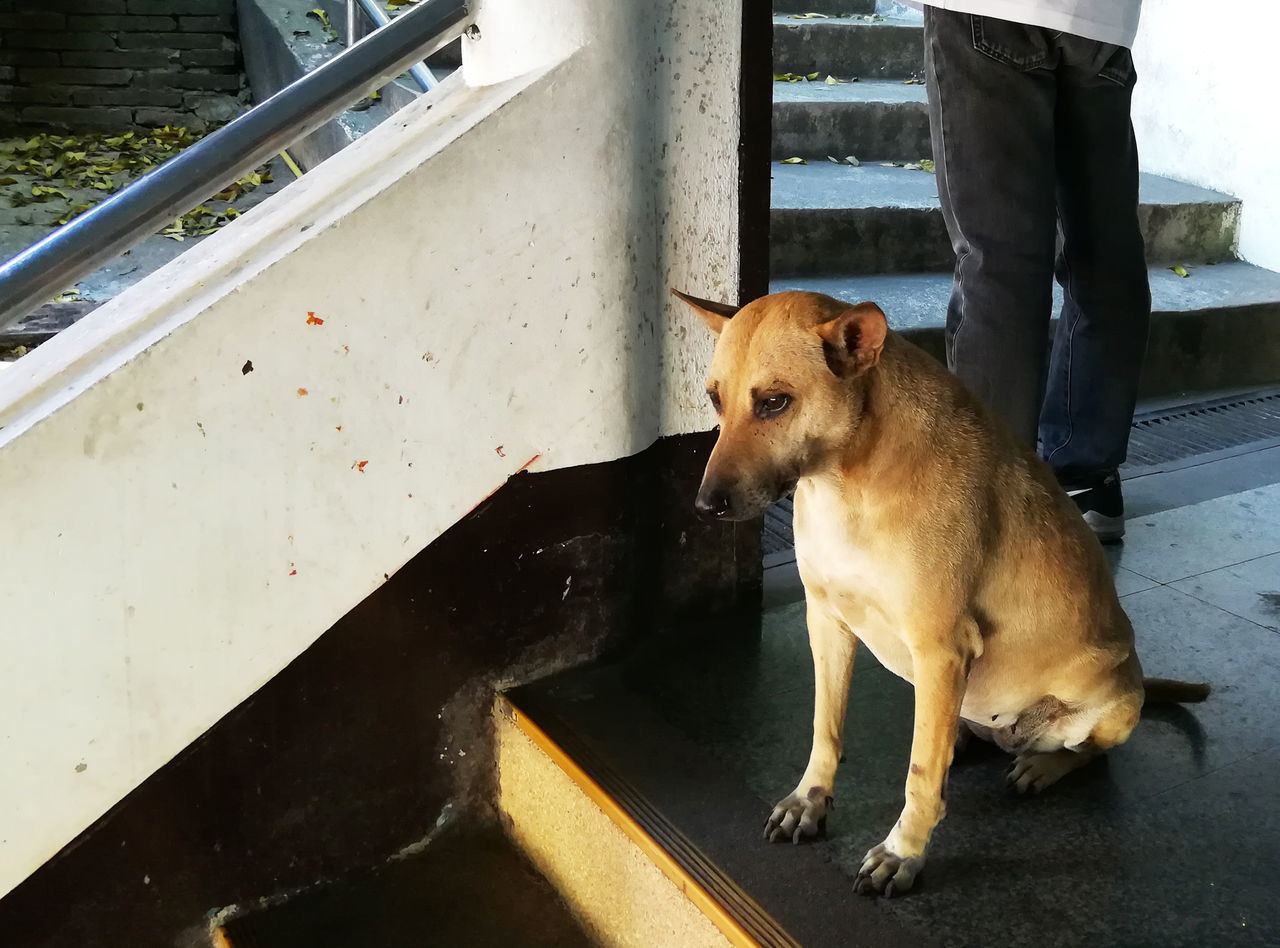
(1171, 839)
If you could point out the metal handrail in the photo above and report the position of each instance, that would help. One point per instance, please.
(419, 72)
(133, 213)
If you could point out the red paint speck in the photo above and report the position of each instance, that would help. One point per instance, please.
(521, 469)
(345, 349)
(360, 466)
(337, 427)
(411, 495)
(501, 453)
(292, 572)
(401, 399)
(314, 320)
(301, 392)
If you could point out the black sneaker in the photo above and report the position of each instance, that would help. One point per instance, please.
(1102, 506)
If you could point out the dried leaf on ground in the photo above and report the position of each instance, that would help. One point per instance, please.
(57, 166)
(319, 14)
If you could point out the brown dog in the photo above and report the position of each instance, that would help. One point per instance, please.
(927, 531)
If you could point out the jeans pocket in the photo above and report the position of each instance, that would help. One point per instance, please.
(1016, 45)
(1119, 68)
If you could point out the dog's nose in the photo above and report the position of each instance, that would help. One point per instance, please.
(712, 502)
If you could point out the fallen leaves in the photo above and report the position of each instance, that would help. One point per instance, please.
(199, 222)
(323, 18)
(864, 17)
(811, 77)
(94, 164)
(313, 319)
(1180, 271)
(793, 161)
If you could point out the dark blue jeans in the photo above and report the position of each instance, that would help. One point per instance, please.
(1033, 145)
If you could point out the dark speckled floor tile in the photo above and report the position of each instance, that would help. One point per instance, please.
(1250, 590)
(1187, 541)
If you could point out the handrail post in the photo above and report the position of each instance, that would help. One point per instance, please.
(419, 72)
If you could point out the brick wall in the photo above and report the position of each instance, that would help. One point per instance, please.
(118, 63)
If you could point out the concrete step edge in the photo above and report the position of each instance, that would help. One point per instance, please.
(1216, 329)
(830, 7)
(853, 22)
(874, 185)
(583, 839)
(850, 95)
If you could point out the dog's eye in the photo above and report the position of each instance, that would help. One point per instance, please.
(714, 397)
(772, 405)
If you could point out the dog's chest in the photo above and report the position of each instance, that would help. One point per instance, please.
(846, 572)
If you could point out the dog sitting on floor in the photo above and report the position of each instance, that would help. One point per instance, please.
(927, 531)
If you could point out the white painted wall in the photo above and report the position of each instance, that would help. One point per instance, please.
(491, 268)
(1205, 111)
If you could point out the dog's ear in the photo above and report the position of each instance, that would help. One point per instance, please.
(853, 341)
(715, 315)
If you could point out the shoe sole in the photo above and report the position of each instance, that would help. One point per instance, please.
(1107, 529)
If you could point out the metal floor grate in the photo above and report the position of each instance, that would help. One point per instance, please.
(1162, 440)
(778, 535)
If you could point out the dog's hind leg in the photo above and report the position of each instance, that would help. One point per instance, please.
(1036, 770)
(803, 812)
(940, 675)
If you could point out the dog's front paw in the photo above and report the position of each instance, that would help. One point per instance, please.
(802, 815)
(884, 871)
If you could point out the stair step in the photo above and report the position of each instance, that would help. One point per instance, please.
(835, 218)
(872, 119)
(845, 47)
(659, 774)
(1215, 329)
(630, 878)
(828, 7)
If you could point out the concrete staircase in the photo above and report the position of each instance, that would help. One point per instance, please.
(875, 231)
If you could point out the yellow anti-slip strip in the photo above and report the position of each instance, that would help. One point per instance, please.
(692, 890)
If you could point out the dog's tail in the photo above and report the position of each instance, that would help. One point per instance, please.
(1171, 691)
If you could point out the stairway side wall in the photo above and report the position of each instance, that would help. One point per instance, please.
(1203, 107)
(211, 478)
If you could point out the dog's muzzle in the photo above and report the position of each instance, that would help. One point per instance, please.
(713, 502)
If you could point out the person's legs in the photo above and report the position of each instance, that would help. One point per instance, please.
(992, 99)
(1102, 333)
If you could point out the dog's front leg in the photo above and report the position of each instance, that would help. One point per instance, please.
(893, 865)
(802, 813)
